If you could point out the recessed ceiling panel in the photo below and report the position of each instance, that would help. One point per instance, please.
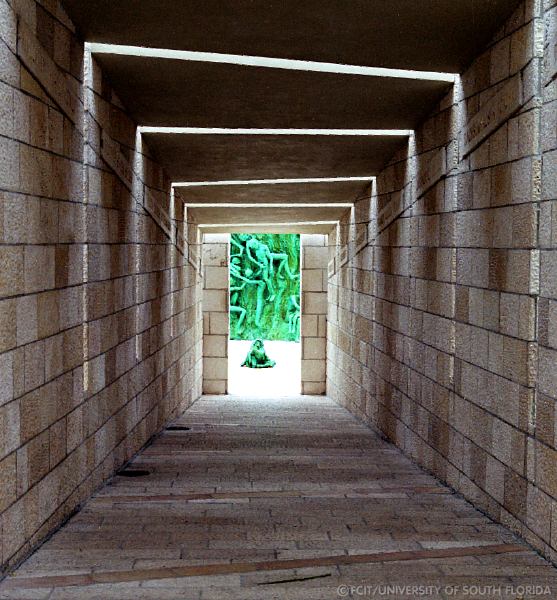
(168, 92)
(242, 216)
(321, 227)
(244, 157)
(334, 192)
(434, 35)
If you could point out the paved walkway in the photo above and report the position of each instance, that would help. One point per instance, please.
(272, 499)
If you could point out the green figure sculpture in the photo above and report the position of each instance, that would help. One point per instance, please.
(293, 314)
(235, 289)
(235, 308)
(257, 357)
(263, 259)
(282, 258)
(264, 273)
(239, 251)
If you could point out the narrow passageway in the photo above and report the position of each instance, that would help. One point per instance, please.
(281, 498)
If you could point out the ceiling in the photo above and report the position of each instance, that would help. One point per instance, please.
(167, 92)
(429, 35)
(265, 215)
(195, 157)
(333, 192)
(305, 227)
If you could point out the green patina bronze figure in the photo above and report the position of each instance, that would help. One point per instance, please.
(293, 314)
(236, 288)
(257, 357)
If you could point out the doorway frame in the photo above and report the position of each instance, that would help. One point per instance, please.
(215, 258)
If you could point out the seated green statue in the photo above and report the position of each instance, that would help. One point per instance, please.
(257, 357)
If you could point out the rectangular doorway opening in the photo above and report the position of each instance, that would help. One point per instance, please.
(264, 349)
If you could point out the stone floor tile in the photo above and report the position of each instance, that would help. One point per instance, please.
(271, 499)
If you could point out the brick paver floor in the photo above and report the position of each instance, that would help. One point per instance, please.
(285, 498)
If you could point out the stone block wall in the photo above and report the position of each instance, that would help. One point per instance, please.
(542, 445)
(216, 323)
(442, 286)
(314, 312)
(100, 306)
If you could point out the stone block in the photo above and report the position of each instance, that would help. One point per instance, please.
(314, 388)
(313, 348)
(501, 227)
(74, 428)
(216, 278)
(218, 323)
(9, 164)
(215, 346)
(57, 442)
(549, 176)
(472, 267)
(6, 377)
(34, 365)
(215, 301)
(515, 494)
(313, 239)
(8, 324)
(11, 270)
(48, 312)
(6, 110)
(314, 303)
(13, 534)
(312, 280)
(546, 474)
(36, 173)
(498, 145)
(548, 273)
(206, 322)
(27, 327)
(8, 25)
(500, 61)
(9, 425)
(7, 481)
(315, 257)
(54, 356)
(524, 226)
(313, 370)
(481, 188)
(309, 325)
(501, 186)
(39, 268)
(215, 255)
(33, 460)
(10, 67)
(321, 325)
(509, 270)
(547, 371)
(214, 386)
(215, 368)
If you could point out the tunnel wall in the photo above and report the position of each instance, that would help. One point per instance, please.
(314, 313)
(216, 318)
(100, 314)
(442, 286)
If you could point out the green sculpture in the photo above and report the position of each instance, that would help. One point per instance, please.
(257, 357)
(235, 288)
(263, 259)
(265, 286)
(293, 314)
